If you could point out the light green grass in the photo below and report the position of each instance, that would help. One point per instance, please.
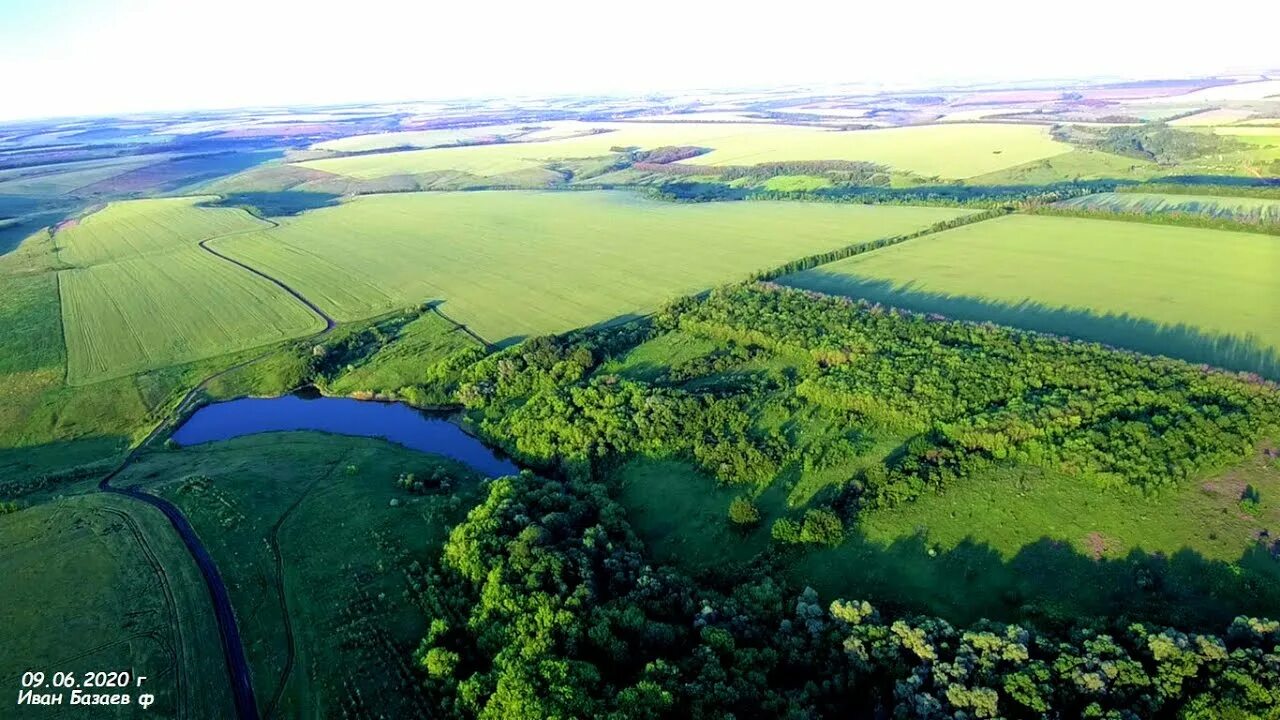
(1079, 164)
(311, 515)
(1155, 288)
(510, 264)
(98, 583)
(132, 229)
(143, 295)
(796, 183)
(405, 361)
(1023, 543)
(1244, 209)
(1008, 510)
(953, 151)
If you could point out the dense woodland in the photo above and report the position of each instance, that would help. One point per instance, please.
(544, 606)
(543, 603)
(1155, 142)
(964, 397)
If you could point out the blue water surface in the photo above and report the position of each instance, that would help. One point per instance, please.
(395, 422)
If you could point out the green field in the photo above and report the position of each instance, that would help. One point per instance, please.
(97, 583)
(65, 178)
(1243, 209)
(141, 294)
(512, 264)
(951, 151)
(316, 544)
(1203, 295)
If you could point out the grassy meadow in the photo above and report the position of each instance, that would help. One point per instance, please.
(116, 590)
(1242, 209)
(950, 151)
(510, 264)
(316, 544)
(140, 294)
(1202, 295)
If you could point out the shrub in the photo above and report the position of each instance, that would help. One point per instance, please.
(821, 526)
(743, 512)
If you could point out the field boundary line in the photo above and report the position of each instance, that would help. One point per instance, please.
(273, 541)
(177, 650)
(488, 346)
(810, 262)
(329, 322)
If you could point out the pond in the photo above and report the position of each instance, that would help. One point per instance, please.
(395, 422)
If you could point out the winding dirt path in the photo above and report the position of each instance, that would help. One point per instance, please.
(232, 645)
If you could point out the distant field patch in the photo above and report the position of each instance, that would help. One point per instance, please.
(1217, 116)
(126, 230)
(65, 178)
(1203, 295)
(143, 295)
(422, 138)
(1244, 209)
(510, 264)
(952, 151)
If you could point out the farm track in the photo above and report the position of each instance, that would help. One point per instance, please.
(329, 322)
(232, 644)
(273, 541)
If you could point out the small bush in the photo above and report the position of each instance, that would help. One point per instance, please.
(743, 512)
(821, 526)
(1251, 500)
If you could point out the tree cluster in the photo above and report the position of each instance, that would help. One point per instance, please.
(1155, 142)
(543, 605)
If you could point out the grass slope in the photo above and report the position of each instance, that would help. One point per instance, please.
(98, 583)
(320, 518)
(1244, 209)
(512, 264)
(1204, 295)
(142, 295)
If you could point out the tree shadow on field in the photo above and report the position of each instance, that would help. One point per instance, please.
(616, 320)
(1232, 352)
(1048, 582)
(38, 470)
(285, 203)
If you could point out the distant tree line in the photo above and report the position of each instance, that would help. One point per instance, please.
(1253, 224)
(1154, 142)
(947, 195)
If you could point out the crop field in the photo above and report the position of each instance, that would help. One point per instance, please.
(143, 295)
(128, 230)
(1202, 295)
(514, 264)
(1244, 209)
(63, 178)
(425, 138)
(951, 151)
(314, 541)
(116, 590)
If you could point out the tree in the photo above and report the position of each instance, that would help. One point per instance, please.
(743, 512)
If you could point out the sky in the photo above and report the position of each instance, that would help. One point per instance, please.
(90, 57)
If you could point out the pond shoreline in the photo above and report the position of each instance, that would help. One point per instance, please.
(439, 431)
